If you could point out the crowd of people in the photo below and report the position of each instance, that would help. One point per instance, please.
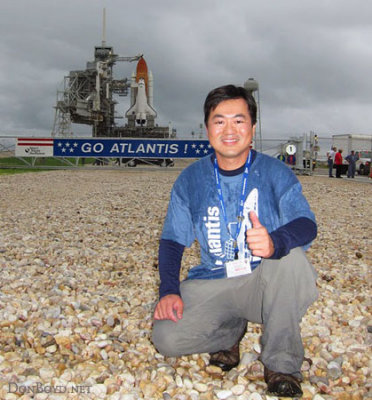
(335, 159)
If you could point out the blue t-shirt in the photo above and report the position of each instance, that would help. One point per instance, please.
(194, 211)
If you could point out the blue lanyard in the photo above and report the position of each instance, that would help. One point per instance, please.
(241, 201)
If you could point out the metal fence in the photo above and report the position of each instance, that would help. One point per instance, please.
(308, 153)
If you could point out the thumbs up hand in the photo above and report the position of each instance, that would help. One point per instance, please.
(258, 238)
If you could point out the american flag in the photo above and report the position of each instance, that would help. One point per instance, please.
(35, 142)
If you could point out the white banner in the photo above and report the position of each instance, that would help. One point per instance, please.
(34, 147)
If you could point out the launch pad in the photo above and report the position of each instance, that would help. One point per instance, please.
(87, 98)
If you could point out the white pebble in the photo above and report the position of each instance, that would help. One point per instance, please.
(46, 373)
(248, 358)
(224, 394)
(104, 354)
(116, 396)
(66, 376)
(128, 377)
(10, 396)
(102, 344)
(238, 389)
(333, 364)
(257, 348)
(99, 391)
(252, 387)
(128, 396)
(200, 387)
(188, 383)
(179, 382)
(51, 349)
(255, 396)
(41, 396)
(194, 395)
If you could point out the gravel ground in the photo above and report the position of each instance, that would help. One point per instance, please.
(78, 258)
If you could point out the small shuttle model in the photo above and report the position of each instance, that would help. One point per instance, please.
(141, 110)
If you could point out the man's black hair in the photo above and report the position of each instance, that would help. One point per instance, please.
(229, 92)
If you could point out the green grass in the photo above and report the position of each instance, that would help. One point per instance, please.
(12, 165)
(13, 171)
(42, 161)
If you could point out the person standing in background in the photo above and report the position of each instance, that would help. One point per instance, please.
(331, 159)
(352, 158)
(338, 163)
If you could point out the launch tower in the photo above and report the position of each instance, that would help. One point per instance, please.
(88, 98)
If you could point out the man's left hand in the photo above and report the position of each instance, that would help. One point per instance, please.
(258, 238)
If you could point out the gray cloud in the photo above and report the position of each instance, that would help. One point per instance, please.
(312, 59)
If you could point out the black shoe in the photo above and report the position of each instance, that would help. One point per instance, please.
(283, 385)
(227, 359)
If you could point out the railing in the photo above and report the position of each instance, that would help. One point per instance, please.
(83, 152)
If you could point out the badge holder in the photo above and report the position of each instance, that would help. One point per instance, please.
(238, 268)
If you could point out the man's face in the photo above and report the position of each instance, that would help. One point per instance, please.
(230, 133)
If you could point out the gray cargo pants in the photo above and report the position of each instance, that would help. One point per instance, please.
(276, 294)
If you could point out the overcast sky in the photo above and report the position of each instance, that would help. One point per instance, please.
(312, 58)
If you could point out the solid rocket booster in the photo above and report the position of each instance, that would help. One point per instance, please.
(151, 88)
(141, 110)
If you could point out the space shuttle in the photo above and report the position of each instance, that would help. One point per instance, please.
(141, 110)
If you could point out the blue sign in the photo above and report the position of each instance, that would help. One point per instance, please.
(132, 148)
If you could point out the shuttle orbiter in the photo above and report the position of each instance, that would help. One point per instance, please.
(141, 110)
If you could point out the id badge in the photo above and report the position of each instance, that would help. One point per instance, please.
(238, 267)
